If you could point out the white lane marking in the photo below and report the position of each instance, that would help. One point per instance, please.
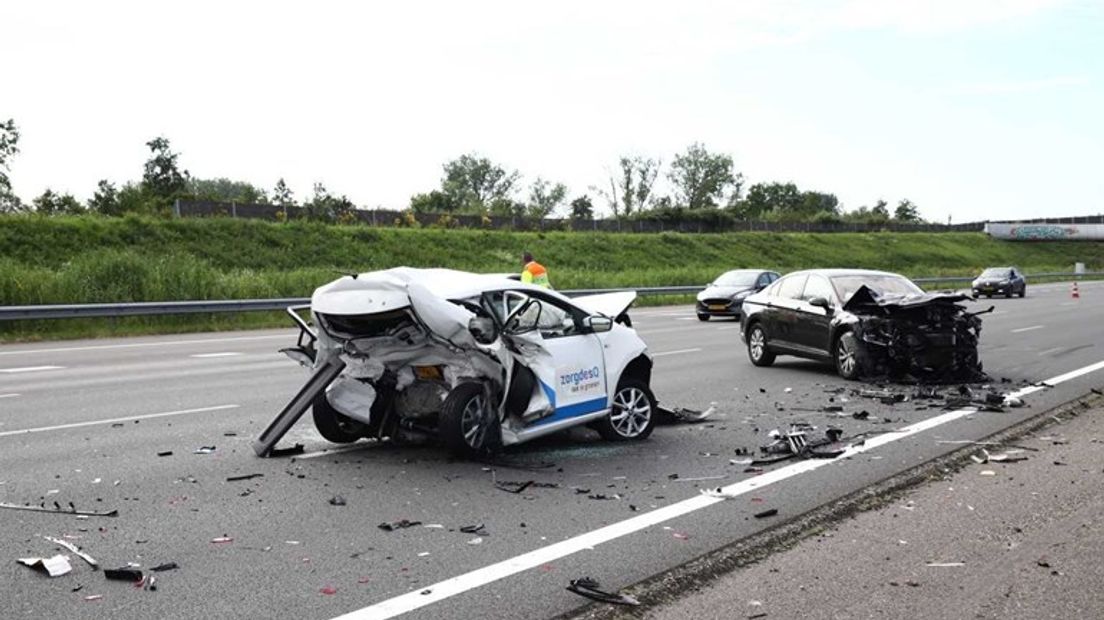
(205, 355)
(442, 590)
(679, 352)
(1073, 374)
(148, 416)
(1027, 329)
(8, 395)
(167, 343)
(30, 369)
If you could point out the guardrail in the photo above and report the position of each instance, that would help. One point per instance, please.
(159, 308)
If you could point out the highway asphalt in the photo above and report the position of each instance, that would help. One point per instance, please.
(83, 422)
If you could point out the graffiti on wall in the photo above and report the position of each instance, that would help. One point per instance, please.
(1046, 232)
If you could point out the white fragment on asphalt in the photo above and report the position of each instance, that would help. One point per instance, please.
(945, 564)
(987, 472)
(476, 541)
(718, 493)
(788, 390)
(97, 480)
(54, 567)
(423, 554)
(434, 526)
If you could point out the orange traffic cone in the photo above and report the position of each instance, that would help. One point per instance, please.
(1074, 293)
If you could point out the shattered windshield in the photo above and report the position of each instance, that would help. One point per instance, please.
(996, 272)
(881, 284)
(737, 279)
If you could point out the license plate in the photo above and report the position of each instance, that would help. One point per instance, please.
(428, 373)
(717, 307)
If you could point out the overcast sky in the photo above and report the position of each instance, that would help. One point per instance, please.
(979, 109)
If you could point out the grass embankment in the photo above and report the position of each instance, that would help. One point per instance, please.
(87, 260)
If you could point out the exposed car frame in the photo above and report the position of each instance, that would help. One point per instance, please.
(480, 361)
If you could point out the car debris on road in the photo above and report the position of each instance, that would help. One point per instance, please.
(57, 509)
(54, 566)
(76, 550)
(590, 588)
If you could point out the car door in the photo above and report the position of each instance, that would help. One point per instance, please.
(813, 325)
(549, 338)
(784, 311)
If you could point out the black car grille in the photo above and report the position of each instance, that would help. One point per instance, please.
(716, 302)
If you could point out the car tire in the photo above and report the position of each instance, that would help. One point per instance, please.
(758, 351)
(632, 417)
(1008, 295)
(1023, 292)
(468, 425)
(846, 356)
(703, 317)
(333, 425)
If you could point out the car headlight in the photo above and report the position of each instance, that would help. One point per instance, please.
(741, 295)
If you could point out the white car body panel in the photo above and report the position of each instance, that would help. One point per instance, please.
(577, 371)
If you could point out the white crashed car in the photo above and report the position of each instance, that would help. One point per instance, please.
(481, 361)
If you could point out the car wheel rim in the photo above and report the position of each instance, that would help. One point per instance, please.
(846, 359)
(757, 343)
(632, 410)
(473, 422)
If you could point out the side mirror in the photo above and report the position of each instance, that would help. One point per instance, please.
(821, 302)
(597, 323)
(483, 329)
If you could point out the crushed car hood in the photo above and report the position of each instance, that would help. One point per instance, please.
(608, 304)
(866, 297)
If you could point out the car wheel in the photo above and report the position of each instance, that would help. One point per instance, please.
(1023, 292)
(333, 425)
(633, 414)
(847, 356)
(703, 317)
(1008, 295)
(468, 424)
(758, 352)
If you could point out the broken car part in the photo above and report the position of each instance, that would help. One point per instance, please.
(75, 549)
(397, 525)
(591, 589)
(53, 566)
(125, 573)
(58, 510)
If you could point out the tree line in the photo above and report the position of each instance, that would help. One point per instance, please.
(702, 186)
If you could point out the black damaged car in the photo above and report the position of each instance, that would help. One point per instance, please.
(870, 324)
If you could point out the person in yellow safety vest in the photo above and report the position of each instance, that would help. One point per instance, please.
(534, 272)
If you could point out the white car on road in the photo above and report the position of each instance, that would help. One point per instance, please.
(481, 361)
